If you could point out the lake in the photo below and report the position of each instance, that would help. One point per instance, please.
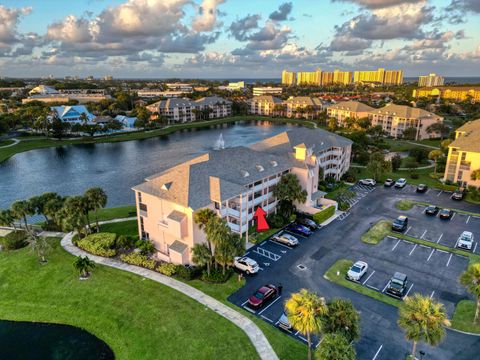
(31, 341)
(116, 167)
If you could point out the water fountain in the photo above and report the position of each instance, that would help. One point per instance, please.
(220, 143)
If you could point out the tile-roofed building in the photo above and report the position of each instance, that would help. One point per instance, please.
(348, 109)
(265, 105)
(233, 182)
(303, 106)
(73, 114)
(464, 155)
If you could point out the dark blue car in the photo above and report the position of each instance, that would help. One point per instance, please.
(299, 229)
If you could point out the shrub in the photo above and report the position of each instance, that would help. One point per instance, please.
(324, 215)
(145, 246)
(187, 272)
(101, 244)
(15, 240)
(125, 242)
(216, 276)
(414, 175)
(343, 206)
(275, 221)
(167, 269)
(138, 259)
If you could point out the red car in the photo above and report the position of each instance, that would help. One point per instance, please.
(262, 296)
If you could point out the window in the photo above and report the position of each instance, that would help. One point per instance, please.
(142, 227)
(139, 196)
(142, 207)
(217, 205)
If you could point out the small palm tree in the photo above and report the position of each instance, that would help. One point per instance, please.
(40, 245)
(422, 319)
(304, 311)
(21, 209)
(7, 218)
(470, 278)
(335, 347)
(96, 199)
(83, 266)
(202, 256)
(342, 318)
(434, 155)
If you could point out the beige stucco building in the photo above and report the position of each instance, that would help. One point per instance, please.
(234, 182)
(264, 105)
(464, 155)
(348, 109)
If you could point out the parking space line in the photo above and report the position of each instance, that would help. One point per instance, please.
(368, 277)
(454, 215)
(273, 302)
(450, 258)
(316, 346)
(301, 337)
(264, 317)
(245, 302)
(443, 251)
(421, 237)
(378, 352)
(277, 243)
(248, 252)
(424, 246)
(410, 288)
(411, 252)
(468, 219)
(431, 295)
(297, 332)
(462, 256)
(408, 230)
(456, 243)
(248, 309)
(395, 246)
(440, 238)
(427, 191)
(433, 250)
(385, 287)
(373, 287)
(475, 247)
(440, 193)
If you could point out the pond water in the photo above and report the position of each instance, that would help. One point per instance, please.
(32, 341)
(116, 167)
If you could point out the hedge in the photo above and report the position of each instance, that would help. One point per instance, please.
(139, 260)
(101, 244)
(167, 269)
(324, 215)
(15, 240)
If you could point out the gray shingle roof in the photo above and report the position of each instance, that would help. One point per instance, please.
(178, 247)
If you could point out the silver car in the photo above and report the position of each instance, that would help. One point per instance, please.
(357, 270)
(284, 323)
(245, 264)
(285, 239)
(465, 241)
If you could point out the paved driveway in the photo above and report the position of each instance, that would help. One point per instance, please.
(432, 273)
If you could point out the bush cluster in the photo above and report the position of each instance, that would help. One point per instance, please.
(216, 276)
(15, 240)
(188, 273)
(139, 260)
(167, 269)
(324, 215)
(101, 244)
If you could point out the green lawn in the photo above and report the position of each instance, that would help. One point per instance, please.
(377, 232)
(404, 204)
(463, 317)
(129, 228)
(6, 142)
(32, 142)
(138, 318)
(115, 213)
(341, 267)
(403, 145)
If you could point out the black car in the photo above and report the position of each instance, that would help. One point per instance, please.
(432, 210)
(400, 223)
(459, 194)
(397, 286)
(421, 188)
(309, 223)
(389, 183)
(446, 214)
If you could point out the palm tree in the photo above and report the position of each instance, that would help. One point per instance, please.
(97, 199)
(227, 247)
(434, 155)
(73, 214)
(7, 218)
(83, 265)
(40, 245)
(342, 318)
(287, 191)
(21, 209)
(335, 347)
(304, 310)
(422, 318)
(201, 218)
(470, 278)
(202, 256)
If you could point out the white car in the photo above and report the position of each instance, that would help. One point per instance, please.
(465, 241)
(245, 264)
(285, 239)
(357, 270)
(400, 183)
(368, 182)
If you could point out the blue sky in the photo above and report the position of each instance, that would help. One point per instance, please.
(236, 38)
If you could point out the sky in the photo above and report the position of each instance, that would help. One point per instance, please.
(236, 38)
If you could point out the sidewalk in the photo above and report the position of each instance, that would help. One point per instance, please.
(258, 339)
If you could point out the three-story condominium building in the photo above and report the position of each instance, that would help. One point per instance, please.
(348, 109)
(464, 155)
(264, 105)
(234, 182)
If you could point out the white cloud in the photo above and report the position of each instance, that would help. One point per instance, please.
(207, 15)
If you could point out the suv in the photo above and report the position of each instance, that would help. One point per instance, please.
(400, 183)
(389, 183)
(432, 210)
(465, 241)
(309, 223)
(421, 188)
(458, 194)
(245, 264)
(397, 286)
(400, 223)
(367, 182)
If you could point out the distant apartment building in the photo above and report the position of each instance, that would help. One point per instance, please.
(265, 105)
(309, 77)
(233, 182)
(155, 93)
(186, 88)
(455, 93)
(348, 109)
(379, 76)
(266, 90)
(430, 80)
(394, 119)
(236, 86)
(289, 78)
(49, 94)
(181, 110)
(107, 78)
(302, 106)
(464, 155)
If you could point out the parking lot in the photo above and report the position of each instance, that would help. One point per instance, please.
(430, 271)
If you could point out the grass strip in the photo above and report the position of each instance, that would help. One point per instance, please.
(404, 205)
(377, 232)
(118, 212)
(463, 317)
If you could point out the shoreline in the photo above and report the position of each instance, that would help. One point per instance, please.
(32, 143)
